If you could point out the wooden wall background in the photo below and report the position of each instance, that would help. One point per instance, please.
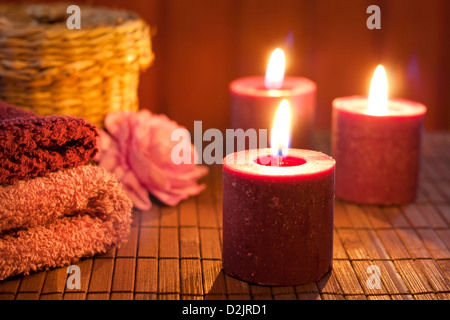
(202, 45)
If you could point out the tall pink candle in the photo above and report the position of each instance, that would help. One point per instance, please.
(278, 207)
(278, 221)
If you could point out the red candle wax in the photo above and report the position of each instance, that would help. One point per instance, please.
(253, 106)
(278, 221)
(377, 156)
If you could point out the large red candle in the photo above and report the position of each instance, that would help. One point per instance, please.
(254, 101)
(278, 220)
(377, 153)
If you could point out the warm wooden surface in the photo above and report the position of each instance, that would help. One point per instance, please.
(175, 253)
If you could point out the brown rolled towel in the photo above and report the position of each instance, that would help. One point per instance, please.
(32, 145)
(55, 220)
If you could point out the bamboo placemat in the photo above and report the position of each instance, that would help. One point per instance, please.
(175, 252)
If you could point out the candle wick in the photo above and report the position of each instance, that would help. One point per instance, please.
(280, 157)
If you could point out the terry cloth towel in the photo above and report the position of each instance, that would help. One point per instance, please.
(32, 145)
(55, 220)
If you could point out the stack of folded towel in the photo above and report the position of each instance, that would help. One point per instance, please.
(55, 205)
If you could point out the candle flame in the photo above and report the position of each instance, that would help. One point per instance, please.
(280, 130)
(275, 70)
(378, 95)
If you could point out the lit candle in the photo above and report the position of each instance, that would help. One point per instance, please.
(254, 101)
(376, 144)
(278, 209)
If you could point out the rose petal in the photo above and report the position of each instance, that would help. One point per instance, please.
(137, 193)
(138, 151)
(174, 197)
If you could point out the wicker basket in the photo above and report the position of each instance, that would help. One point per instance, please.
(50, 69)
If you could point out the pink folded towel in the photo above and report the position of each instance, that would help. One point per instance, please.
(55, 220)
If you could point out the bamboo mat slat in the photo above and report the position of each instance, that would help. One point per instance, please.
(175, 252)
(101, 276)
(124, 274)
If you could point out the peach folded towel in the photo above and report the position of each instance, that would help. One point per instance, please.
(55, 220)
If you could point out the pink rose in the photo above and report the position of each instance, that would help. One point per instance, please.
(137, 149)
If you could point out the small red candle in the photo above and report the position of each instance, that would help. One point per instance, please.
(376, 143)
(254, 101)
(278, 214)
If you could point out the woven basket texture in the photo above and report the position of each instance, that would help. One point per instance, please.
(51, 69)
